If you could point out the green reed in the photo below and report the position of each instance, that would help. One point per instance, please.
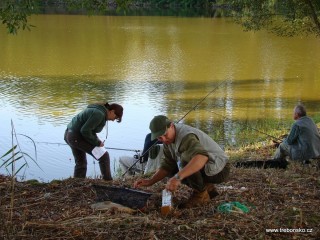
(14, 161)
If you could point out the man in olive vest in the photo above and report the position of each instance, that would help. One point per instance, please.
(191, 157)
(303, 141)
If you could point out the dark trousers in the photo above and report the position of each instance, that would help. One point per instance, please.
(80, 147)
(199, 179)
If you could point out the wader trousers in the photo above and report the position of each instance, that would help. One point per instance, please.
(80, 147)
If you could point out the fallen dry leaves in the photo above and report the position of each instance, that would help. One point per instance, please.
(286, 199)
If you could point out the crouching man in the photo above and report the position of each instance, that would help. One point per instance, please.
(202, 162)
(303, 142)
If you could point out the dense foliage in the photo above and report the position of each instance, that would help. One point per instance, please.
(284, 18)
(14, 14)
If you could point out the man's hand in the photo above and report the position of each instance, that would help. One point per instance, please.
(158, 176)
(142, 182)
(276, 143)
(173, 184)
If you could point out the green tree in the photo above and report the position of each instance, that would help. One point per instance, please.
(283, 17)
(14, 14)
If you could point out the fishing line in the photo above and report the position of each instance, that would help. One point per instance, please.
(192, 109)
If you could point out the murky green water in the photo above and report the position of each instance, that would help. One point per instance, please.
(150, 65)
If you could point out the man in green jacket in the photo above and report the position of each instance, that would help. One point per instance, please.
(303, 141)
(191, 157)
(81, 136)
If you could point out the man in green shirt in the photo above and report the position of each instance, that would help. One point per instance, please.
(191, 157)
(303, 141)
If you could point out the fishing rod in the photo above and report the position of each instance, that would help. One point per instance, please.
(122, 149)
(192, 109)
(111, 148)
(249, 127)
(195, 106)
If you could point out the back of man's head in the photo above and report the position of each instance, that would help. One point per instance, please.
(300, 110)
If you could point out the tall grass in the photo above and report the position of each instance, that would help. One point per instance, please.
(14, 161)
(242, 133)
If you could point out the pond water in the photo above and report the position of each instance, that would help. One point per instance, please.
(150, 65)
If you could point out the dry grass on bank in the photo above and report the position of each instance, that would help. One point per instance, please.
(286, 199)
(61, 210)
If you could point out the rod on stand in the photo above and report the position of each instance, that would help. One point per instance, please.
(139, 158)
(122, 149)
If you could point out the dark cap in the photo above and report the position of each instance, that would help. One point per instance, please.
(158, 126)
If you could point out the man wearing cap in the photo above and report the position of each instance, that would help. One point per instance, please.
(202, 161)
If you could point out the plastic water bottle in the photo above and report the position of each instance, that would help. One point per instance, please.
(166, 202)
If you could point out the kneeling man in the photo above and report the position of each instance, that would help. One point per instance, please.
(191, 157)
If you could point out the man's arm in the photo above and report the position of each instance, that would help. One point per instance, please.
(196, 156)
(168, 165)
(294, 133)
(158, 176)
(195, 165)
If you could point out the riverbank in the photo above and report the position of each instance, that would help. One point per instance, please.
(282, 201)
